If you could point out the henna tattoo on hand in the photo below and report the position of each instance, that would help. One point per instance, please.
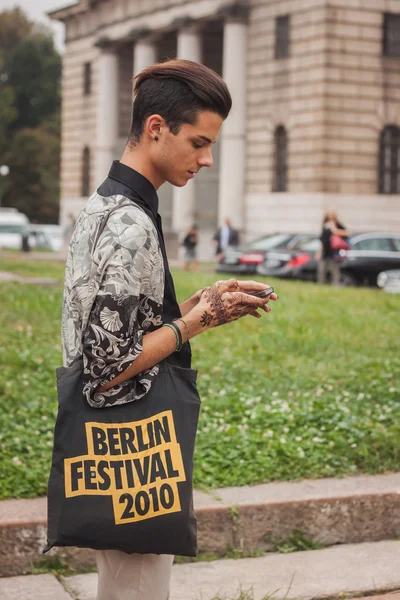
(216, 304)
(225, 303)
(206, 319)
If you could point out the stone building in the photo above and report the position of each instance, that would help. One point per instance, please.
(316, 117)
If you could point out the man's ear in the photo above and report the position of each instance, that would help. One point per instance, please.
(154, 126)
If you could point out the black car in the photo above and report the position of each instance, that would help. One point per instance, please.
(245, 259)
(297, 262)
(369, 254)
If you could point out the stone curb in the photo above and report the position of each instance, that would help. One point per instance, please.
(334, 573)
(329, 511)
(354, 571)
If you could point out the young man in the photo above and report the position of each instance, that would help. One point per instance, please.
(118, 289)
(225, 236)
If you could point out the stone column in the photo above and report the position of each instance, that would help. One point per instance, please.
(232, 161)
(144, 55)
(107, 113)
(184, 198)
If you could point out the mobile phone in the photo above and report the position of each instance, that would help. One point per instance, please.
(263, 293)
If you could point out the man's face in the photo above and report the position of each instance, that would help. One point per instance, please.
(179, 157)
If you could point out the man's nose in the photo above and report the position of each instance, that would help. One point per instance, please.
(206, 159)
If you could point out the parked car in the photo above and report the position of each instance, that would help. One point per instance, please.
(13, 228)
(46, 237)
(246, 258)
(369, 254)
(297, 262)
(389, 281)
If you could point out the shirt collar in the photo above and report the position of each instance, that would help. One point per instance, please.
(136, 182)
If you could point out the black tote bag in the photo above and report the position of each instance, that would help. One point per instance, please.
(121, 477)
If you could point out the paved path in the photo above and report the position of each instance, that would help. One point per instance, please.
(7, 277)
(348, 569)
(175, 263)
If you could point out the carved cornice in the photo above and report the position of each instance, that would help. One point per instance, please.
(182, 22)
(67, 12)
(236, 11)
(104, 43)
(138, 33)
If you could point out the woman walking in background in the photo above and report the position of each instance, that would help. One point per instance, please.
(333, 239)
(190, 244)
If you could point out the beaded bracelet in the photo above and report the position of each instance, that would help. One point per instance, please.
(179, 334)
(176, 335)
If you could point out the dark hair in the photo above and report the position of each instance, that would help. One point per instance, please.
(177, 90)
(327, 218)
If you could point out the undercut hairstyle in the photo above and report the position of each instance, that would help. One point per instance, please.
(177, 90)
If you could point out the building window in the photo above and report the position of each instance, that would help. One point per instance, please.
(389, 160)
(391, 34)
(280, 175)
(282, 36)
(87, 78)
(86, 172)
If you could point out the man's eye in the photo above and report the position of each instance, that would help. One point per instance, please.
(197, 146)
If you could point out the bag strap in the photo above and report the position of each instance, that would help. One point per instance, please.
(182, 358)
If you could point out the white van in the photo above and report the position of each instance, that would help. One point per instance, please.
(13, 227)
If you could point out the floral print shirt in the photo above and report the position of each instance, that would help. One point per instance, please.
(114, 286)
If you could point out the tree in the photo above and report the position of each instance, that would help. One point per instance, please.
(14, 27)
(30, 83)
(34, 73)
(8, 115)
(33, 182)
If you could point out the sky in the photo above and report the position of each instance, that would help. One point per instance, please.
(36, 10)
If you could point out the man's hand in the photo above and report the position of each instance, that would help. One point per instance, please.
(249, 287)
(227, 301)
(187, 305)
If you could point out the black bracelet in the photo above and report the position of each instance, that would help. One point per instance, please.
(175, 333)
(179, 342)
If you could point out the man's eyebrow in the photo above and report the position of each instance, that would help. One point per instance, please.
(203, 137)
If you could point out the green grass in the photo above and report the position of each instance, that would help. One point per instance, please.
(30, 268)
(310, 390)
(296, 542)
(58, 566)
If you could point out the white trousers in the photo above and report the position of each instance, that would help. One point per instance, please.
(133, 576)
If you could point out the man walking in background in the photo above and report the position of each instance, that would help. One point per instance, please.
(190, 244)
(225, 236)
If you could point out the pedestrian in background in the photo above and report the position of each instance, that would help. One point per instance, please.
(190, 244)
(225, 236)
(333, 239)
